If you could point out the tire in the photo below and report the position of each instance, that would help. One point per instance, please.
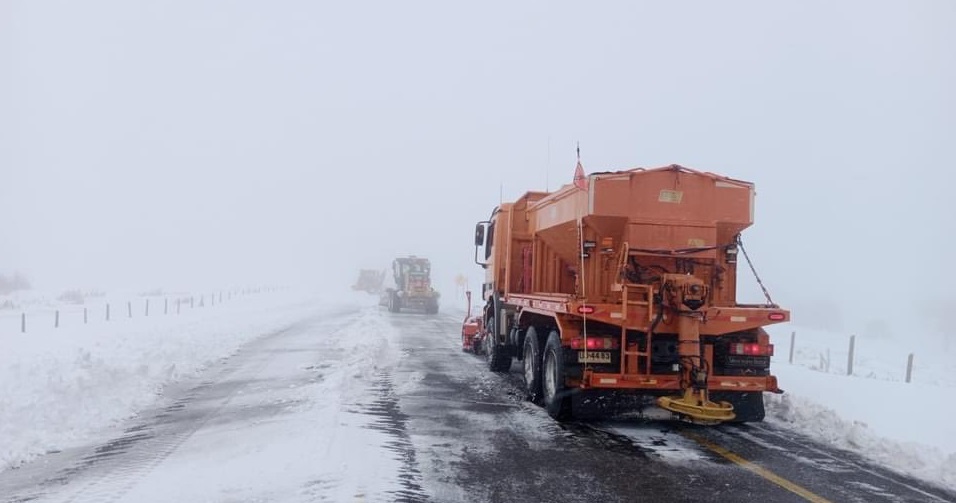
(556, 397)
(531, 358)
(516, 340)
(748, 407)
(498, 358)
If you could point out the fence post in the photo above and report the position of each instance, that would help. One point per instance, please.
(191, 303)
(212, 299)
(129, 308)
(86, 318)
(178, 305)
(909, 367)
(849, 358)
(107, 311)
(23, 323)
(166, 305)
(147, 307)
(793, 341)
(220, 296)
(56, 319)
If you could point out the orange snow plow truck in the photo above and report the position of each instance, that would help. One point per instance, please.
(369, 281)
(625, 285)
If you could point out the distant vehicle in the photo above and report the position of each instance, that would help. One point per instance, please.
(413, 289)
(625, 283)
(370, 280)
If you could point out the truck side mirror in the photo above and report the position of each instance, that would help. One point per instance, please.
(480, 234)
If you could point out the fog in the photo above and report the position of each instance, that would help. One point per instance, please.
(196, 143)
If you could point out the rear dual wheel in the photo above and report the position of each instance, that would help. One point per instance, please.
(748, 407)
(556, 396)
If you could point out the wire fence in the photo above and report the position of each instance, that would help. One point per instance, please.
(39, 315)
(866, 357)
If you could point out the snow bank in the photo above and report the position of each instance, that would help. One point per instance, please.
(904, 426)
(60, 386)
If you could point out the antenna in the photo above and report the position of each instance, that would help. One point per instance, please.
(547, 168)
(501, 193)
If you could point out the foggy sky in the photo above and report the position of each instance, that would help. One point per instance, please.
(195, 143)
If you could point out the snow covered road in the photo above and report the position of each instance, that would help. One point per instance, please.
(356, 404)
(291, 417)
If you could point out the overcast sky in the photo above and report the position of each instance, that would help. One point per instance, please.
(204, 143)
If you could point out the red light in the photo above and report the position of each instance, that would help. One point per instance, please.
(751, 349)
(776, 316)
(595, 343)
(585, 309)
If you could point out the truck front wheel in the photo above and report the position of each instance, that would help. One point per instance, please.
(532, 365)
(498, 358)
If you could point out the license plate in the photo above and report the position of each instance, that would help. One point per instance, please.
(748, 361)
(594, 357)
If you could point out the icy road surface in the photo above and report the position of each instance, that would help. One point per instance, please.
(363, 405)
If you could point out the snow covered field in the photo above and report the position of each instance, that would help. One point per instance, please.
(60, 386)
(904, 426)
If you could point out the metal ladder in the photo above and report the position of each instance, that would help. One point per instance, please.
(645, 297)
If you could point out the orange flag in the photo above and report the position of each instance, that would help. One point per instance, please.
(580, 180)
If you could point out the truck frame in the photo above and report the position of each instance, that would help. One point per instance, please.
(628, 285)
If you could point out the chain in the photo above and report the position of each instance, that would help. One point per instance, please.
(740, 244)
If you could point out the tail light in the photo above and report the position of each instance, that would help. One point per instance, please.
(751, 349)
(776, 316)
(595, 343)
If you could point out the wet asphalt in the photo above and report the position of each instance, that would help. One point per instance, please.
(501, 448)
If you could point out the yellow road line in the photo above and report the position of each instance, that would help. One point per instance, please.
(756, 469)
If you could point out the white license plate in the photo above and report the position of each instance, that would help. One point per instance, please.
(594, 357)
